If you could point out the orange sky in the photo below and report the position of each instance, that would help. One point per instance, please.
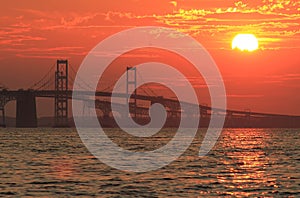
(34, 33)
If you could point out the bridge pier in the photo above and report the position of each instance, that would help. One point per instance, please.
(3, 124)
(26, 110)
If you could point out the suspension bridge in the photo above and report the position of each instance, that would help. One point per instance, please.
(58, 82)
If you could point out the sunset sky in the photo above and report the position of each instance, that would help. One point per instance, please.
(34, 33)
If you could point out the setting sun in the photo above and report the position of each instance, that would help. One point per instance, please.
(245, 42)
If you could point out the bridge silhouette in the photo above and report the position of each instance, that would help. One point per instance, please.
(57, 84)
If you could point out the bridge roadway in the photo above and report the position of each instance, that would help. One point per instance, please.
(170, 103)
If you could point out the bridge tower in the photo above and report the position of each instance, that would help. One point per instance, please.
(61, 93)
(203, 111)
(131, 86)
(248, 118)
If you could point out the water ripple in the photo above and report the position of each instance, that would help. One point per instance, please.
(244, 162)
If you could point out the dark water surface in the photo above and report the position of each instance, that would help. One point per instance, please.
(244, 162)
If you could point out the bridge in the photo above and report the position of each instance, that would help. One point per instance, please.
(57, 84)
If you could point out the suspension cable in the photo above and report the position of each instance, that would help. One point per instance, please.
(37, 84)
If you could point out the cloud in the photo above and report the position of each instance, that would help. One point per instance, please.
(16, 40)
(174, 3)
(274, 21)
(41, 56)
(244, 95)
(287, 80)
(49, 53)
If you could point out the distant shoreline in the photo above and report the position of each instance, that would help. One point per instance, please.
(242, 122)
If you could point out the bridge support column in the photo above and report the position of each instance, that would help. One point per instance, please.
(26, 110)
(3, 124)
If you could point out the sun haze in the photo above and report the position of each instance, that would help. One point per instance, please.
(245, 42)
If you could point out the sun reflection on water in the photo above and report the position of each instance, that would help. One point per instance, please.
(246, 161)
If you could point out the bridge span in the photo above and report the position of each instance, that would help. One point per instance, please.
(26, 112)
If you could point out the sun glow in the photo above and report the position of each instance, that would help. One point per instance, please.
(245, 42)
